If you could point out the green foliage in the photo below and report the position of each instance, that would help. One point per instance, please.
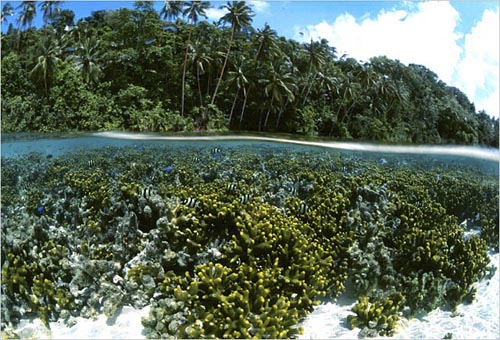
(306, 121)
(128, 69)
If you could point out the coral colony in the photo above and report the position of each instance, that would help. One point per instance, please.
(240, 242)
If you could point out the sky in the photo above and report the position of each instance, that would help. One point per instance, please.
(458, 40)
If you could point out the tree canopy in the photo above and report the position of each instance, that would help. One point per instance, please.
(142, 70)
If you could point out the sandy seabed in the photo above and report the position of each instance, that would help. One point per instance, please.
(478, 320)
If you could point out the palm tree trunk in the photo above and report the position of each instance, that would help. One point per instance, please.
(199, 84)
(338, 112)
(308, 91)
(244, 105)
(209, 80)
(268, 112)
(282, 108)
(223, 66)
(307, 81)
(348, 110)
(184, 70)
(232, 107)
(341, 103)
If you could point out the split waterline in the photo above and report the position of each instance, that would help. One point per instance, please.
(479, 319)
(45, 143)
(450, 150)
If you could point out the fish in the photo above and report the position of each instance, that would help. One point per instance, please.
(147, 192)
(40, 209)
(231, 187)
(245, 198)
(91, 163)
(191, 202)
(293, 191)
(168, 168)
(303, 208)
(216, 152)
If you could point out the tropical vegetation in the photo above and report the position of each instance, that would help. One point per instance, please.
(140, 69)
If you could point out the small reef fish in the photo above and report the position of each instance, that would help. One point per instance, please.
(91, 163)
(216, 152)
(294, 191)
(168, 168)
(303, 208)
(231, 187)
(245, 198)
(147, 192)
(40, 209)
(191, 202)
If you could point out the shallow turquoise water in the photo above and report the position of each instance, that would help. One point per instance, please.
(54, 145)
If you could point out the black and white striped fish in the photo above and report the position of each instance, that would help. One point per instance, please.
(91, 163)
(147, 192)
(191, 202)
(215, 151)
(245, 198)
(303, 208)
(231, 187)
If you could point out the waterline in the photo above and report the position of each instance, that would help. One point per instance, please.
(489, 154)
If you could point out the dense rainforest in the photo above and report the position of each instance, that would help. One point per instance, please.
(139, 69)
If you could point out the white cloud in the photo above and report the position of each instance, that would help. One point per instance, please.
(478, 72)
(425, 36)
(214, 13)
(259, 5)
(425, 33)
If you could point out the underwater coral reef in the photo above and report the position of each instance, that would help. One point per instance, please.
(240, 242)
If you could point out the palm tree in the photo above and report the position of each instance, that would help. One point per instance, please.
(7, 10)
(28, 13)
(49, 7)
(316, 54)
(266, 40)
(87, 58)
(26, 17)
(238, 77)
(193, 11)
(46, 62)
(279, 88)
(351, 95)
(171, 9)
(201, 59)
(239, 16)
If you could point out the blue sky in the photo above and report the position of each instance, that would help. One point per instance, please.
(458, 40)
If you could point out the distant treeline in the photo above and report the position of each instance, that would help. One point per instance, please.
(140, 70)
